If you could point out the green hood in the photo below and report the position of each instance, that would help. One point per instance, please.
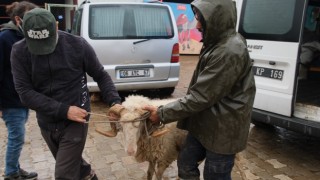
(9, 25)
(220, 18)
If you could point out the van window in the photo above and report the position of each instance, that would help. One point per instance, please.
(76, 25)
(129, 22)
(271, 20)
(311, 18)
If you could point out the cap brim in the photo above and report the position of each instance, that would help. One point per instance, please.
(42, 47)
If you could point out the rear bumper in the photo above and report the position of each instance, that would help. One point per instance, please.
(128, 86)
(291, 123)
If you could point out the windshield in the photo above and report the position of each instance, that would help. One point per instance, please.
(129, 22)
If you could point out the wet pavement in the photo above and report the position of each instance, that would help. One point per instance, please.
(272, 153)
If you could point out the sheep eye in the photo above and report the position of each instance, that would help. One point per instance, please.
(136, 124)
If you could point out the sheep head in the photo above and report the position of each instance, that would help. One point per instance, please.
(131, 119)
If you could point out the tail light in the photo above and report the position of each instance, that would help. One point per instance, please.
(175, 53)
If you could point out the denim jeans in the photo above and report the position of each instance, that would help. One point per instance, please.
(15, 119)
(217, 166)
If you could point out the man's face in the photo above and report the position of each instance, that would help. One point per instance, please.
(197, 16)
(199, 26)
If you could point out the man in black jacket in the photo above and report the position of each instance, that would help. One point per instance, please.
(49, 70)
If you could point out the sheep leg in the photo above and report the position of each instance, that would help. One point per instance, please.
(151, 169)
(160, 170)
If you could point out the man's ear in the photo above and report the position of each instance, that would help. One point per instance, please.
(17, 20)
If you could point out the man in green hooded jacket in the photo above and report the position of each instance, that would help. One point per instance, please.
(217, 108)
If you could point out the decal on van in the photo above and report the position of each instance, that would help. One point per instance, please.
(250, 47)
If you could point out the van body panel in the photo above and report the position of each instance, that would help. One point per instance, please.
(274, 51)
(277, 85)
(275, 31)
(272, 101)
(134, 58)
(139, 55)
(171, 82)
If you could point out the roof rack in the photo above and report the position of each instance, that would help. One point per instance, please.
(155, 1)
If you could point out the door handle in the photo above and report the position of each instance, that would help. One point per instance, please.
(272, 63)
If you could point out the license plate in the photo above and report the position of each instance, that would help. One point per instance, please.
(268, 72)
(129, 73)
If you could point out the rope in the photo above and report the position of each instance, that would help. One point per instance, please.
(96, 114)
(144, 117)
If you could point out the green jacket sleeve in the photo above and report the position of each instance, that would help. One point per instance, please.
(212, 81)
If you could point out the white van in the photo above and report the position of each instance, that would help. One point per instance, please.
(275, 31)
(137, 43)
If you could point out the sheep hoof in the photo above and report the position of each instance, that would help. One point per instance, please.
(110, 133)
(159, 132)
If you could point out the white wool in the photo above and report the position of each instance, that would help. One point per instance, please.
(133, 102)
(160, 150)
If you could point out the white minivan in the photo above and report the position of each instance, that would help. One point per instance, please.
(137, 43)
(275, 31)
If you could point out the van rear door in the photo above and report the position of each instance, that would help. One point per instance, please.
(272, 29)
(134, 41)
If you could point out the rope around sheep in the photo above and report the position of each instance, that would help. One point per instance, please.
(144, 117)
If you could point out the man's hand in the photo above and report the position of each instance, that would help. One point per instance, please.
(154, 118)
(77, 114)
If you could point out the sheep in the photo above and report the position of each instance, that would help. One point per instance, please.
(160, 151)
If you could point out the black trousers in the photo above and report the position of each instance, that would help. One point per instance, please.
(66, 147)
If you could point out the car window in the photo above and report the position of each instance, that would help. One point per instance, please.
(271, 19)
(312, 18)
(76, 25)
(129, 22)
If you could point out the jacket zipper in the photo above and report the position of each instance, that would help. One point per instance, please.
(51, 78)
